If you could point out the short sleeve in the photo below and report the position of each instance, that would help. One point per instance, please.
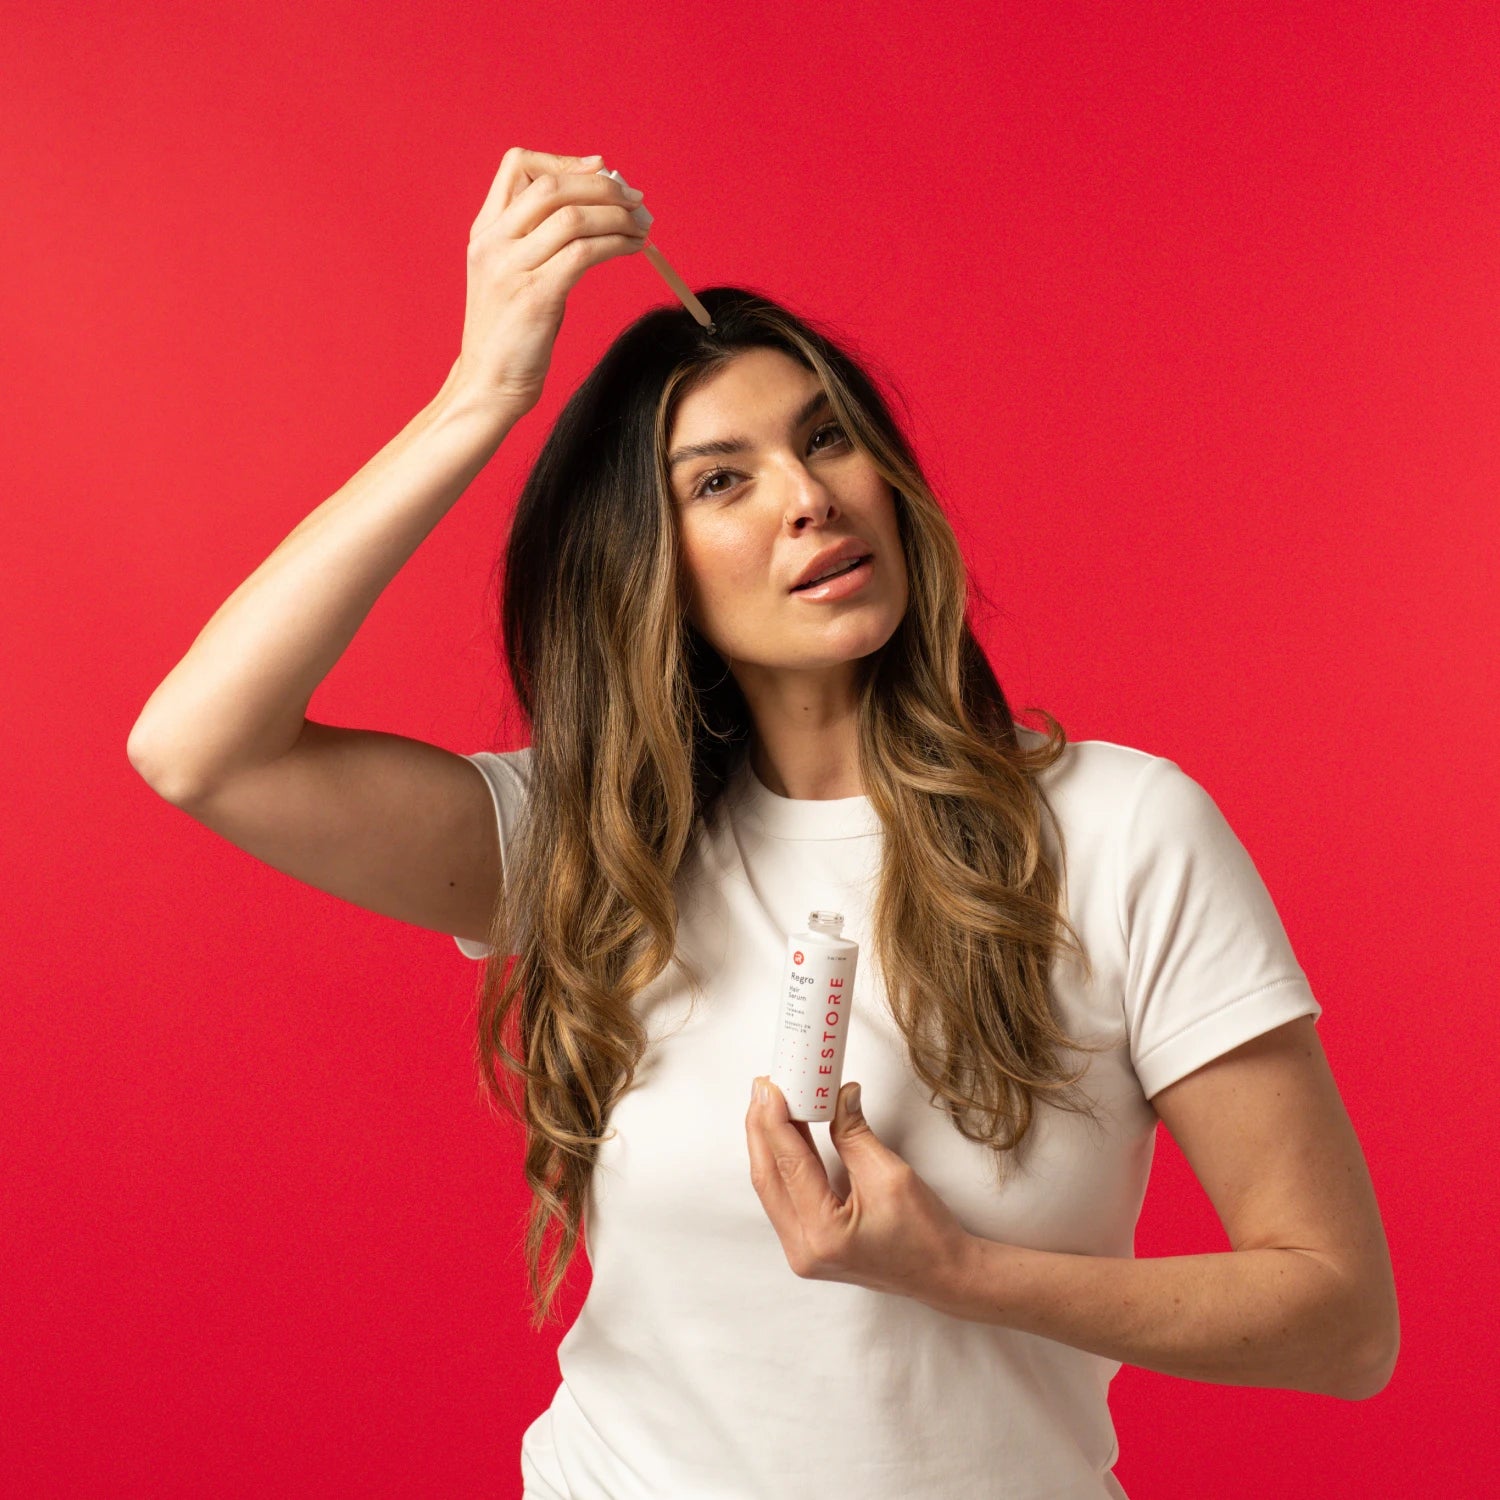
(507, 774)
(1208, 961)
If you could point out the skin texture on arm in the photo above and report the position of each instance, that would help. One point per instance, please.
(1305, 1301)
(238, 700)
(1268, 1137)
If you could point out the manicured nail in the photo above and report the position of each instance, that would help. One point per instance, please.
(762, 1092)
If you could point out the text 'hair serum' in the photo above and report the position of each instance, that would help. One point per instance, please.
(817, 989)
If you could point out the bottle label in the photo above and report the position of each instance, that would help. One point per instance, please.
(811, 1030)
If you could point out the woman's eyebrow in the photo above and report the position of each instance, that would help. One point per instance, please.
(738, 444)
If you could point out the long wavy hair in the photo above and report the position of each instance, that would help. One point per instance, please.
(637, 726)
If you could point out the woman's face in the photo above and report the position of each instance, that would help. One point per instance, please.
(751, 521)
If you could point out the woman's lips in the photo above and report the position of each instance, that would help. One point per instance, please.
(840, 585)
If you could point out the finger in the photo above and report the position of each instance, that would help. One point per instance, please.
(607, 228)
(796, 1160)
(775, 1197)
(555, 208)
(518, 169)
(763, 1163)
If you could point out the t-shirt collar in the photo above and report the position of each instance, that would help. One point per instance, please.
(756, 806)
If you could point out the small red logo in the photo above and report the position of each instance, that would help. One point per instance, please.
(797, 956)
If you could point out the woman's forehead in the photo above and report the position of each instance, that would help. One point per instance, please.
(761, 388)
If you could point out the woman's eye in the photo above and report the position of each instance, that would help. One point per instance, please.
(702, 487)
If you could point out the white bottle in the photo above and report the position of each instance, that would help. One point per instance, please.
(812, 1024)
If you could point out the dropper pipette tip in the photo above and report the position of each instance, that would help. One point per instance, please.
(644, 217)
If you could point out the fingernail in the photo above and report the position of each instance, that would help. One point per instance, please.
(635, 194)
(851, 1105)
(762, 1094)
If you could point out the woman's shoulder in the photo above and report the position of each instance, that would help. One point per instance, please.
(1093, 785)
(1090, 769)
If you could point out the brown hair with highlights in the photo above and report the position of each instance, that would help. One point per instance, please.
(637, 726)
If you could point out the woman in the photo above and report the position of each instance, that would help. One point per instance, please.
(1062, 943)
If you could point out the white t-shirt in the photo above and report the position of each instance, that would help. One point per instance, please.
(701, 1367)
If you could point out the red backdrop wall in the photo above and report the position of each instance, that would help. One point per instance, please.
(1195, 307)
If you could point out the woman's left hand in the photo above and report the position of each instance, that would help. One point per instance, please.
(892, 1233)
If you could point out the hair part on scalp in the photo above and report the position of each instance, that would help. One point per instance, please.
(637, 726)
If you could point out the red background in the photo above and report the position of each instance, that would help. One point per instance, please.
(1196, 310)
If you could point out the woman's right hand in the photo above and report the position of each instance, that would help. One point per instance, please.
(547, 219)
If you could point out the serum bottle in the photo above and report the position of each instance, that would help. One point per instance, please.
(812, 1023)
